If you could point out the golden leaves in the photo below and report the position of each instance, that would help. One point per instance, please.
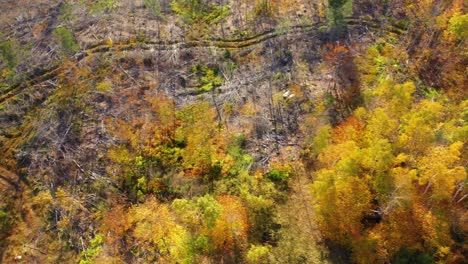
(232, 225)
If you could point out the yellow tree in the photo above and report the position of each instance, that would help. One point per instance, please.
(231, 227)
(419, 127)
(198, 131)
(156, 235)
(350, 129)
(380, 125)
(397, 98)
(440, 172)
(400, 229)
(341, 202)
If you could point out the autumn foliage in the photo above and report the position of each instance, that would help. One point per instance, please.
(247, 131)
(231, 228)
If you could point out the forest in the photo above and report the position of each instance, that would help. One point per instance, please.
(233, 131)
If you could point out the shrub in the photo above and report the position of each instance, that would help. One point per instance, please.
(258, 254)
(102, 6)
(209, 77)
(459, 26)
(95, 247)
(277, 176)
(154, 7)
(8, 54)
(198, 11)
(66, 40)
(265, 9)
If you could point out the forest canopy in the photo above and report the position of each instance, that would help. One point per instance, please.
(251, 131)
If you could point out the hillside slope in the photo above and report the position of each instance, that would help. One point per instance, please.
(219, 131)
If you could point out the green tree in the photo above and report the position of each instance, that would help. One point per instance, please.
(336, 9)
